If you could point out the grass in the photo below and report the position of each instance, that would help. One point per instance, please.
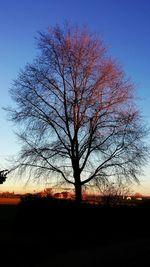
(48, 232)
(8, 212)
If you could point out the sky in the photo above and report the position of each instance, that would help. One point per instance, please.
(123, 25)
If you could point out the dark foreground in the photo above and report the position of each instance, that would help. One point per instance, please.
(58, 233)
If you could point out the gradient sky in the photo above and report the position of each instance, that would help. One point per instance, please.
(123, 25)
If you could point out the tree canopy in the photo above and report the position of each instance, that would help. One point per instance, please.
(76, 110)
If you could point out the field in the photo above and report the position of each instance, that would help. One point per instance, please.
(9, 201)
(42, 234)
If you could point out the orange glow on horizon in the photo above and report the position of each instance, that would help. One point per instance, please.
(9, 201)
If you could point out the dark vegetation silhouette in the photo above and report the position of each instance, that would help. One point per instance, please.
(77, 113)
(3, 176)
(65, 216)
(114, 192)
(62, 226)
(44, 228)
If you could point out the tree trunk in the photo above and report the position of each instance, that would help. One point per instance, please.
(78, 192)
(77, 184)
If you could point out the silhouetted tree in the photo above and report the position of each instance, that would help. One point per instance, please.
(113, 191)
(77, 111)
(3, 176)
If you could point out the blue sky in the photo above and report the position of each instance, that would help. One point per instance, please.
(123, 25)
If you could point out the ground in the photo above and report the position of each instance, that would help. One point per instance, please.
(42, 246)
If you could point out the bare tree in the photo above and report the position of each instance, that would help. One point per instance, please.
(77, 113)
(113, 191)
